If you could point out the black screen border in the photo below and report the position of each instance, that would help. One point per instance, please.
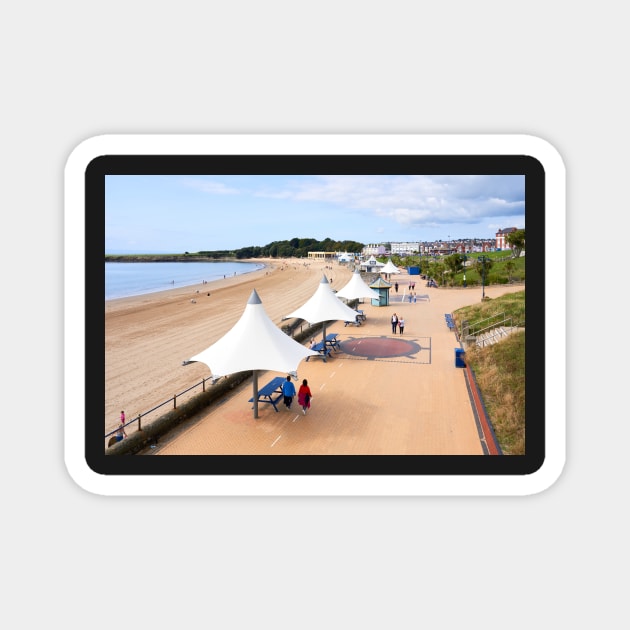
(330, 164)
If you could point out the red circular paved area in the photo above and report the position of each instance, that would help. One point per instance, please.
(379, 347)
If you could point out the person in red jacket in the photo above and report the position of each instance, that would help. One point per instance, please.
(304, 396)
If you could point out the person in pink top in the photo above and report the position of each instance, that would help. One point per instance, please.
(121, 434)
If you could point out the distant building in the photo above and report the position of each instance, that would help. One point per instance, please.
(373, 249)
(436, 248)
(371, 265)
(402, 249)
(500, 238)
(322, 255)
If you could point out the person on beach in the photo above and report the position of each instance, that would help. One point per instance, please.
(288, 390)
(121, 434)
(401, 324)
(396, 286)
(394, 323)
(304, 396)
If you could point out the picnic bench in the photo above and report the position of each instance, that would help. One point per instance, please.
(272, 392)
(322, 348)
(449, 321)
(358, 320)
(331, 341)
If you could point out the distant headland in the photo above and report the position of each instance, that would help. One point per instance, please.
(167, 258)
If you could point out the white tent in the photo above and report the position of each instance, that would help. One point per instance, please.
(390, 267)
(254, 343)
(324, 306)
(357, 288)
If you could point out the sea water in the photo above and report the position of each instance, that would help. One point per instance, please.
(128, 279)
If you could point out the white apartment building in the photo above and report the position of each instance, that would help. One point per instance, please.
(373, 249)
(396, 248)
(405, 248)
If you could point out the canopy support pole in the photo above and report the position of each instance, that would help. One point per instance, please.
(255, 381)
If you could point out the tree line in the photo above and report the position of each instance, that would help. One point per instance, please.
(295, 247)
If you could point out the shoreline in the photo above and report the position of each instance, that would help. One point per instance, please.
(257, 261)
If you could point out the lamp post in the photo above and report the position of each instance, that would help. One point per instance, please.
(483, 276)
(464, 271)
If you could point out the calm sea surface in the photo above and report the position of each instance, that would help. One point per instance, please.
(129, 279)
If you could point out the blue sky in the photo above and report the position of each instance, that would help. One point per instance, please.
(179, 213)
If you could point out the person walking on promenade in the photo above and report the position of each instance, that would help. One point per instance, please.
(396, 286)
(288, 390)
(394, 323)
(304, 396)
(401, 324)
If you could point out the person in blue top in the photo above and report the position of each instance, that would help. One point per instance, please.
(288, 390)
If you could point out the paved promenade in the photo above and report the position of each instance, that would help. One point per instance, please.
(380, 394)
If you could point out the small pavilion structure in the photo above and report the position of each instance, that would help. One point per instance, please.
(382, 287)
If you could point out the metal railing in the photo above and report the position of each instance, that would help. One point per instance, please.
(473, 330)
(173, 400)
(497, 329)
(495, 333)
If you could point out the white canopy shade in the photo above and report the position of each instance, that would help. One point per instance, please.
(390, 267)
(356, 288)
(324, 306)
(254, 343)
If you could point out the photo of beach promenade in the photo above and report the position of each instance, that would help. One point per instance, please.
(381, 390)
(401, 395)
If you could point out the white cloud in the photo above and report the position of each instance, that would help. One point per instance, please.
(210, 186)
(417, 199)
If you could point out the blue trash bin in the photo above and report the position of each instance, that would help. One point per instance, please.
(459, 357)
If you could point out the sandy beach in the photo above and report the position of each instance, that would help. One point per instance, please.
(366, 399)
(148, 337)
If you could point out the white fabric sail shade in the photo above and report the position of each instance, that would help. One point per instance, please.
(357, 288)
(390, 267)
(254, 343)
(323, 306)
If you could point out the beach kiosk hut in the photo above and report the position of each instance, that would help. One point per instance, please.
(382, 287)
